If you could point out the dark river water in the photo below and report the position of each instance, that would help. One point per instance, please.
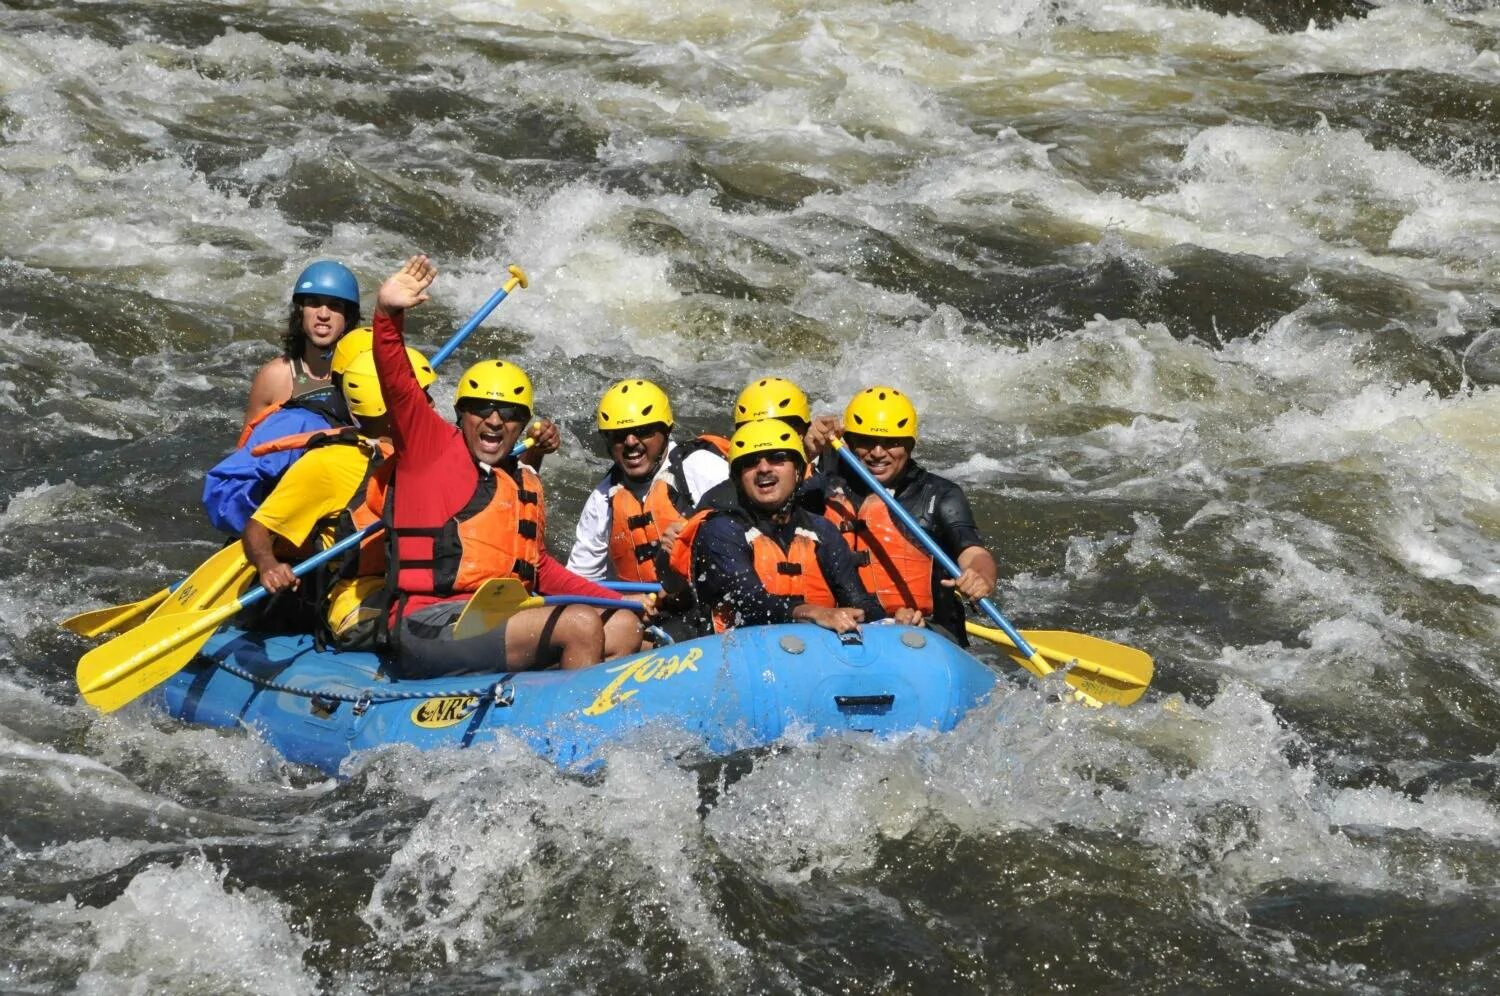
(1200, 304)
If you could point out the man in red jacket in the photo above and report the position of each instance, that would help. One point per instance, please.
(461, 510)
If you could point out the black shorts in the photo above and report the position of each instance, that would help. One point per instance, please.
(425, 647)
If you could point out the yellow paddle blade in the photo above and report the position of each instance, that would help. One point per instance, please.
(133, 663)
(1107, 671)
(97, 622)
(207, 586)
(220, 578)
(496, 601)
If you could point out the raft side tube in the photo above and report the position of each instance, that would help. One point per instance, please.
(731, 692)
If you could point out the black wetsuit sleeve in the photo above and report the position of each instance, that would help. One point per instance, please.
(841, 572)
(720, 498)
(812, 494)
(952, 518)
(724, 572)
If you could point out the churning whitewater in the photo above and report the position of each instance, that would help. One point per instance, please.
(1199, 303)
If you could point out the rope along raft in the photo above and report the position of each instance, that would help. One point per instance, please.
(498, 692)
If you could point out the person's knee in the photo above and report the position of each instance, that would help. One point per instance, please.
(622, 633)
(580, 634)
(579, 623)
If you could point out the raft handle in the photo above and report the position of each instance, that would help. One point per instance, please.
(866, 701)
(322, 706)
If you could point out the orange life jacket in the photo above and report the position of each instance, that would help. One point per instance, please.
(297, 441)
(794, 572)
(708, 439)
(839, 509)
(635, 529)
(636, 526)
(499, 533)
(895, 569)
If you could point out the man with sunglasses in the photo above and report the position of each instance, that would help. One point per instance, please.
(767, 559)
(461, 510)
(640, 505)
(880, 426)
(779, 398)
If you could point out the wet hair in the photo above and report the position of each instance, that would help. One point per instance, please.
(293, 338)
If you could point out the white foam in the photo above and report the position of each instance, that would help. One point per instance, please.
(1438, 813)
(1404, 35)
(979, 21)
(706, 21)
(183, 928)
(821, 808)
(91, 786)
(473, 866)
(589, 287)
(194, 756)
(41, 503)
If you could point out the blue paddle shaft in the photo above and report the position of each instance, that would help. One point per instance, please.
(632, 587)
(317, 560)
(458, 337)
(600, 603)
(928, 543)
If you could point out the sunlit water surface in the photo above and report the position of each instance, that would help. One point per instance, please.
(1202, 307)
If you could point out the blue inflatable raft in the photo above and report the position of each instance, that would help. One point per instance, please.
(741, 690)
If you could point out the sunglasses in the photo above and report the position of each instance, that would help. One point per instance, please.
(615, 437)
(483, 409)
(859, 441)
(775, 458)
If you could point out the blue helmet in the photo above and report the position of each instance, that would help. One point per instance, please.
(329, 279)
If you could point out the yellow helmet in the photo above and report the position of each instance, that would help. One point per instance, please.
(362, 387)
(771, 397)
(350, 345)
(495, 380)
(768, 435)
(631, 404)
(881, 411)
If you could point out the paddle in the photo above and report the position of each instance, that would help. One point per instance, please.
(216, 581)
(1029, 656)
(1110, 672)
(517, 279)
(632, 587)
(224, 572)
(500, 598)
(133, 663)
(97, 622)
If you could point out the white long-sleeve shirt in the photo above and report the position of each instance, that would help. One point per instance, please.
(590, 555)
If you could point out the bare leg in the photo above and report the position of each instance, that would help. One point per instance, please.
(622, 633)
(570, 635)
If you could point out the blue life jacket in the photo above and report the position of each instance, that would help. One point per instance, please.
(234, 488)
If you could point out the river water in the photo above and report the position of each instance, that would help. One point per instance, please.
(1200, 304)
